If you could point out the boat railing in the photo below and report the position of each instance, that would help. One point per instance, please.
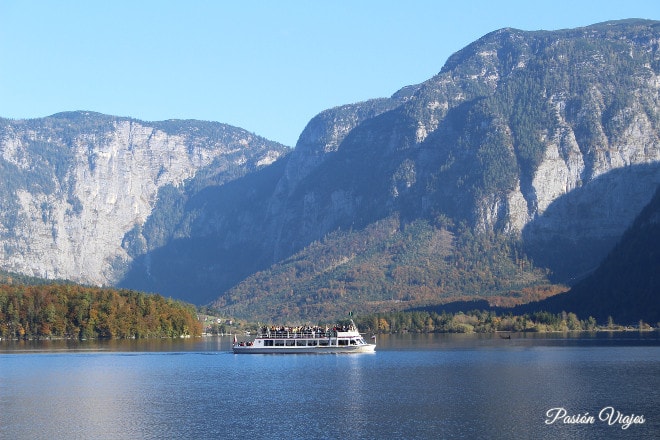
(306, 333)
(283, 334)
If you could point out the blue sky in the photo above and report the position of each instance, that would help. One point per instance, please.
(265, 66)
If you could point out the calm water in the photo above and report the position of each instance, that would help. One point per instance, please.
(413, 387)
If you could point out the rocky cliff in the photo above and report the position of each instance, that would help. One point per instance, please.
(75, 184)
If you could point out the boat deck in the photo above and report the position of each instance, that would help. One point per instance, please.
(306, 333)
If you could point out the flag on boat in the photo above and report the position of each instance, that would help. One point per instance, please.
(235, 340)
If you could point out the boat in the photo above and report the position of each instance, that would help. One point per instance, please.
(289, 340)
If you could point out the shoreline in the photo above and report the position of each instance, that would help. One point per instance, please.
(622, 329)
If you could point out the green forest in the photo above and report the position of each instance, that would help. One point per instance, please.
(73, 311)
(486, 321)
(476, 321)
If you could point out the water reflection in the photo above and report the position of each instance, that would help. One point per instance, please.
(214, 343)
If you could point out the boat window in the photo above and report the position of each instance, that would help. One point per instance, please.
(343, 342)
(324, 342)
(268, 343)
(300, 343)
(312, 342)
(279, 343)
(290, 343)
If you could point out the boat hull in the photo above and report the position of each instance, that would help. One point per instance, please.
(369, 348)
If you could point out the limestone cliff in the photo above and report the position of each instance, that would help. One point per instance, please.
(75, 183)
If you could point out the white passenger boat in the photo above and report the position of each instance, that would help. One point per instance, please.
(287, 340)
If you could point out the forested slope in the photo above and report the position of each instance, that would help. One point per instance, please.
(55, 310)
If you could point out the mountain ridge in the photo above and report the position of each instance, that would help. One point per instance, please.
(523, 161)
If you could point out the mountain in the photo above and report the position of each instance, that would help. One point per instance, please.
(78, 187)
(505, 177)
(529, 150)
(626, 286)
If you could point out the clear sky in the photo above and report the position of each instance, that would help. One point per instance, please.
(265, 66)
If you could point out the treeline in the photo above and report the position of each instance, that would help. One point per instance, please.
(17, 278)
(72, 311)
(476, 321)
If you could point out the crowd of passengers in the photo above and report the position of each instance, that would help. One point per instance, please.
(305, 330)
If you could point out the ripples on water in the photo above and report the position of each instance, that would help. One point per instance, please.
(414, 386)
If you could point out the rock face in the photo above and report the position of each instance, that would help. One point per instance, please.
(318, 143)
(74, 184)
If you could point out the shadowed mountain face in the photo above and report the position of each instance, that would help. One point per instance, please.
(519, 165)
(579, 228)
(626, 286)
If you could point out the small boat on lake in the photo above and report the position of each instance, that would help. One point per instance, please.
(288, 340)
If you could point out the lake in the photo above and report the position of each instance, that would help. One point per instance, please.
(413, 387)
